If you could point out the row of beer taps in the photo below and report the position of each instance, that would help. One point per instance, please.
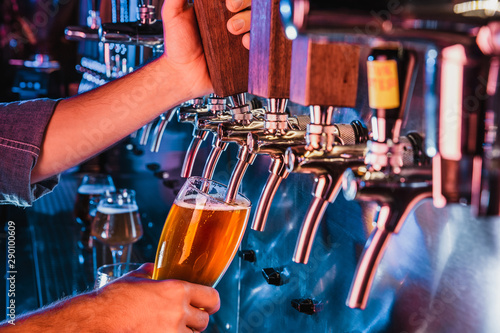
(379, 165)
(455, 162)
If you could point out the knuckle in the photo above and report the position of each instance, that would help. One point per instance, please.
(179, 287)
(204, 319)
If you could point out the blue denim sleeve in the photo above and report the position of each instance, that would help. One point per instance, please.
(22, 127)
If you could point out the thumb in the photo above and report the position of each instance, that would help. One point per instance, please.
(174, 8)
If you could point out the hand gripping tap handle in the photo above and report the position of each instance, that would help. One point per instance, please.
(227, 58)
(227, 62)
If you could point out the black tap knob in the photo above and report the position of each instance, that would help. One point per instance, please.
(307, 305)
(274, 276)
(248, 255)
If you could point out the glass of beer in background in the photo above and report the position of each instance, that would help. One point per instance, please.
(117, 223)
(108, 273)
(91, 188)
(201, 234)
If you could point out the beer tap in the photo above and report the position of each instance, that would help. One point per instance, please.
(145, 31)
(324, 76)
(270, 61)
(462, 158)
(395, 185)
(275, 146)
(485, 196)
(227, 59)
(205, 118)
(159, 129)
(229, 73)
(328, 168)
(88, 32)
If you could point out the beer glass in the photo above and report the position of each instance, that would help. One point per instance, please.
(108, 273)
(201, 234)
(117, 223)
(91, 188)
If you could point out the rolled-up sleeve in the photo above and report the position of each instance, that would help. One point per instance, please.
(22, 127)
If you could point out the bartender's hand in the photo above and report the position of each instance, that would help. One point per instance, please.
(240, 22)
(133, 303)
(86, 124)
(139, 304)
(183, 47)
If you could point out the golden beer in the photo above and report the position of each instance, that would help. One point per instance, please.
(117, 226)
(199, 241)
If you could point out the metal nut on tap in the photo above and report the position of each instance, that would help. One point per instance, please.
(321, 137)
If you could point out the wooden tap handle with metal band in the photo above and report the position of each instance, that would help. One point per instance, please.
(324, 73)
(227, 58)
(270, 52)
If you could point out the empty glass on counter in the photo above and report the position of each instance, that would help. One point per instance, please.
(108, 273)
(91, 188)
(201, 234)
(117, 223)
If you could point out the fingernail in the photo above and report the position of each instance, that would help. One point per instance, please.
(238, 24)
(237, 4)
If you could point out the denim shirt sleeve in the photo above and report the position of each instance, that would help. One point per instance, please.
(22, 127)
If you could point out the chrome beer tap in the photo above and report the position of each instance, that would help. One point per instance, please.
(227, 62)
(197, 113)
(145, 31)
(269, 77)
(324, 76)
(348, 151)
(462, 158)
(396, 195)
(159, 129)
(238, 134)
(90, 32)
(485, 196)
(397, 187)
(275, 146)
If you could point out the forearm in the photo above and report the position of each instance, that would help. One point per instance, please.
(69, 315)
(84, 125)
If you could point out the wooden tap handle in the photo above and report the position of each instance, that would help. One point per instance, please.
(324, 73)
(227, 58)
(270, 52)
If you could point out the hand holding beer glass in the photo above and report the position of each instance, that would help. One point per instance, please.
(201, 234)
(117, 223)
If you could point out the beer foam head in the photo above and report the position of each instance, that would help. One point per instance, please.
(103, 209)
(201, 202)
(95, 189)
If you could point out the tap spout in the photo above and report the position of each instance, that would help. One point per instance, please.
(397, 196)
(327, 168)
(218, 147)
(165, 118)
(326, 190)
(245, 158)
(277, 172)
(146, 130)
(198, 138)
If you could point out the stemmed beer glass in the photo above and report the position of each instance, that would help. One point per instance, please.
(117, 223)
(202, 233)
(91, 188)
